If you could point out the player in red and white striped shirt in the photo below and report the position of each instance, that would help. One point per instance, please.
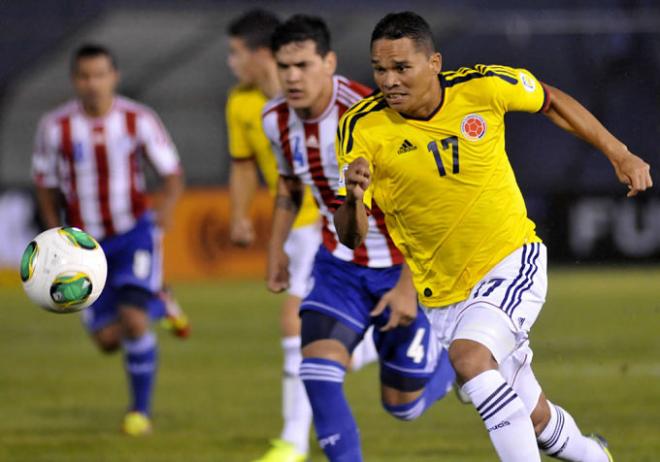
(346, 285)
(306, 150)
(91, 152)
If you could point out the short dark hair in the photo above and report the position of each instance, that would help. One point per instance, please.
(92, 50)
(255, 27)
(405, 24)
(299, 28)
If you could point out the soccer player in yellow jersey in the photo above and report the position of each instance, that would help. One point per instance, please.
(251, 60)
(429, 149)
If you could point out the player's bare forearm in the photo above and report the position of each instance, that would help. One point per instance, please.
(243, 183)
(287, 205)
(567, 113)
(352, 219)
(405, 282)
(49, 207)
(352, 222)
(171, 190)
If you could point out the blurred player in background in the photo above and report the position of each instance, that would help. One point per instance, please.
(350, 289)
(252, 63)
(88, 158)
(430, 146)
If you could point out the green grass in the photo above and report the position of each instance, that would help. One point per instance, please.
(596, 353)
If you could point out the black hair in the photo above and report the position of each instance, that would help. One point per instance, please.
(405, 24)
(255, 27)
(300, 28)
(92, 50)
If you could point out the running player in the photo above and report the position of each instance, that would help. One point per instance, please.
(251, 61)
(90, 151)
(346, 284)
(429, 149)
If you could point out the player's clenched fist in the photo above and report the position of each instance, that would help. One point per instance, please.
(358, 178)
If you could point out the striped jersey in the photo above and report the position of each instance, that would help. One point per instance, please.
(306, 149)
(97, 163)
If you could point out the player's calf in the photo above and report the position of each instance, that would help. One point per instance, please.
(326, 344)
(561, 438)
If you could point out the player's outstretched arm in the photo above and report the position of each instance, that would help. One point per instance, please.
(242, 187)
(570, 115)
(287, 204)
(49, 206)
(351, 218)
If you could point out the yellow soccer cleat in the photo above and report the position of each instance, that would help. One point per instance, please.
(136, 424)
(602, 442)
(282, 451)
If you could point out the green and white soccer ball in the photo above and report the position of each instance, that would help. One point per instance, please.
(63, 270)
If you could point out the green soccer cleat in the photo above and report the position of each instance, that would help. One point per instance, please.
(136, 424)
(282, 451)
(602, 442)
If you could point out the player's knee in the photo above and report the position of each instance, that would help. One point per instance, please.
(134, 322)
(329, 349)
(469, 359)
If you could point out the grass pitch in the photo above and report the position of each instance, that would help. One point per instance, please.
(597, 353)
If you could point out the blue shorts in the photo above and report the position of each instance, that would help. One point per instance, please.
(348, 292)
(134, 274)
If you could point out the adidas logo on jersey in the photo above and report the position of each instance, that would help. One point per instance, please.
(405, 147)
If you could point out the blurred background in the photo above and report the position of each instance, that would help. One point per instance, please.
(172, 56)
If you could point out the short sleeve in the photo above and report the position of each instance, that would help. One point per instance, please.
(349, 146)
(44, 156)
(158, 145)
(239, 145)
(516, 89)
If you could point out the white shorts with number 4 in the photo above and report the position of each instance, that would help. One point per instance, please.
(499, 314)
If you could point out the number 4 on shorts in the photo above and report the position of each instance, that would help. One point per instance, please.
(416, 348)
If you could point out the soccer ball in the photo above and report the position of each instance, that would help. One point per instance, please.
(63, 270)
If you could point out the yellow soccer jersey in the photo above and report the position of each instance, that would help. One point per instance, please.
(248, 141)
(445, 184)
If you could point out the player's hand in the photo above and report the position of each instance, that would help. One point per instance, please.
(277, 277)
(357, 178)
(242, 232)
(634, 172)
(403, 308)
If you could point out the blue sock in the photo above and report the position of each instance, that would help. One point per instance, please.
(141, 358)
(436, 388)
(336, 429)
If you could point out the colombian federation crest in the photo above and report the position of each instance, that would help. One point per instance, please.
(473, 127)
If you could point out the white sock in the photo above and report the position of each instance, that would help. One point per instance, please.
(562, 439)
(509, 426)
(296, 410)
(365, 351)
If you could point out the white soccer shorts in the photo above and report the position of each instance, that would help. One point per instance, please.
(301, 247)
(499, 313)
